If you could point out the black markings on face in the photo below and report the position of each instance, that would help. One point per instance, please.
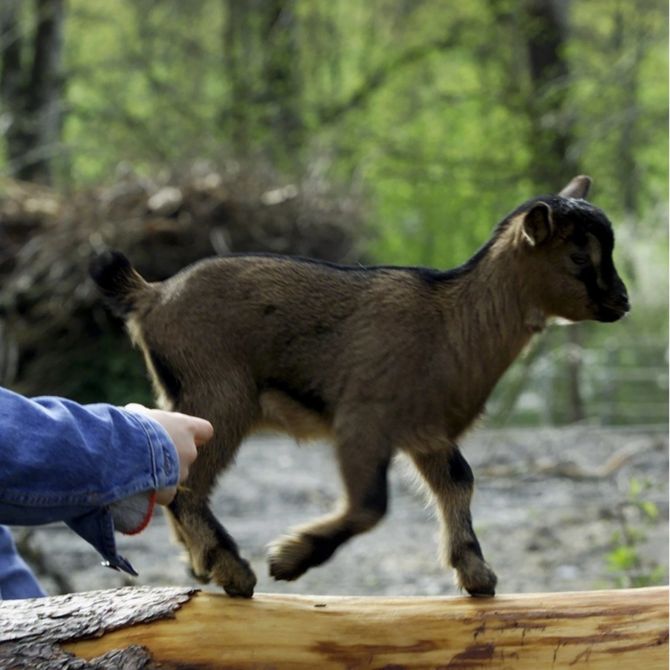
(593, 260)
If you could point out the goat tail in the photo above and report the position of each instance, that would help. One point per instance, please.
(118, 281)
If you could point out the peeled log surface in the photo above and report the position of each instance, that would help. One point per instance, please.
(598, 629)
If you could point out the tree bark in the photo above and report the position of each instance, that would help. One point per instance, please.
(598, 630)
(32, 630)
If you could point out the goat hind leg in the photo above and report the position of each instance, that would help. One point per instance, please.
(364, 476)
(450, 478)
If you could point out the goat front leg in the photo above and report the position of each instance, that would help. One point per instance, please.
(212, 552)
(451, 480)
(364, 473)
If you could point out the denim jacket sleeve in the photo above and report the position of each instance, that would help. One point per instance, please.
(61, 461)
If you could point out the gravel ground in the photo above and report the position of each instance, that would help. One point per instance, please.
(547, 507)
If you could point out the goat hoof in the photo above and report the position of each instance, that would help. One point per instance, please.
(203, 579)
(482, 594)
(240, 590)
(289, 558)
(477, 579)
(234, 575)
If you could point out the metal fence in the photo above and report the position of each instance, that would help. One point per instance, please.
(620, 383)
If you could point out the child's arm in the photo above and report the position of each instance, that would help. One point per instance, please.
(61, 461)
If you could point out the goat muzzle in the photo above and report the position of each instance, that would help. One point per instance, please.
(614, 308)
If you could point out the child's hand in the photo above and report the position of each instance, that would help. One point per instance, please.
(186, 432)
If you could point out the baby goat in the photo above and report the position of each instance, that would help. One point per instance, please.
(381, 359)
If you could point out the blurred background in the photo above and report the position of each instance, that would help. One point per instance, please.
(393, 131)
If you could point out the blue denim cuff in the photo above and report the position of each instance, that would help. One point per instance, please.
(165, 462)
(97, 528)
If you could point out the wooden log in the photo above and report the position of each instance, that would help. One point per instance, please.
(597, 630)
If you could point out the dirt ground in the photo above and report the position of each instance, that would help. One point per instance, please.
(548, 509)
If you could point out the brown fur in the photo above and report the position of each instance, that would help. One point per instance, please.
(378, 359)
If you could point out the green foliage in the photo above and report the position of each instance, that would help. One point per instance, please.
(424, 101)
(144, 85)
(626, 560)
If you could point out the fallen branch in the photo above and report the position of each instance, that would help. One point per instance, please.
(567, 469)
(597, 629)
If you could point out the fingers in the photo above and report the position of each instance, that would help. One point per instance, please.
(187, 434)
(203, 431)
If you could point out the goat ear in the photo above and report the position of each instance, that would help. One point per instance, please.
(577, 188)
(537, 225)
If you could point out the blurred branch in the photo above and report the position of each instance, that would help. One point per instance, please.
(376, 79)
(30, 157)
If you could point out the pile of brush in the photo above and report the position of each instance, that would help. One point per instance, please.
(55, 335)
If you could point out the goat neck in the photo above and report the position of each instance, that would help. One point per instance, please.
(490, 315)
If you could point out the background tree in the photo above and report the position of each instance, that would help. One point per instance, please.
(261, 59)
(31, 86)
(554, 157)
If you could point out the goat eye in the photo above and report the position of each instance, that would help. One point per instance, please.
(579, 259)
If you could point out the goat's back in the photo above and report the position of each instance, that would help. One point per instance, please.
(313, 330)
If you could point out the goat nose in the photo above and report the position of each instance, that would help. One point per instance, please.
(622, 302)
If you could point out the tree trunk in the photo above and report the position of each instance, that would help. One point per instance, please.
(597, 629)
(553, 162)
(553, 158)
(238, 52)
(626, 165)
(32, 89)
(283, 116)
(261, 59)
(11, 78)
